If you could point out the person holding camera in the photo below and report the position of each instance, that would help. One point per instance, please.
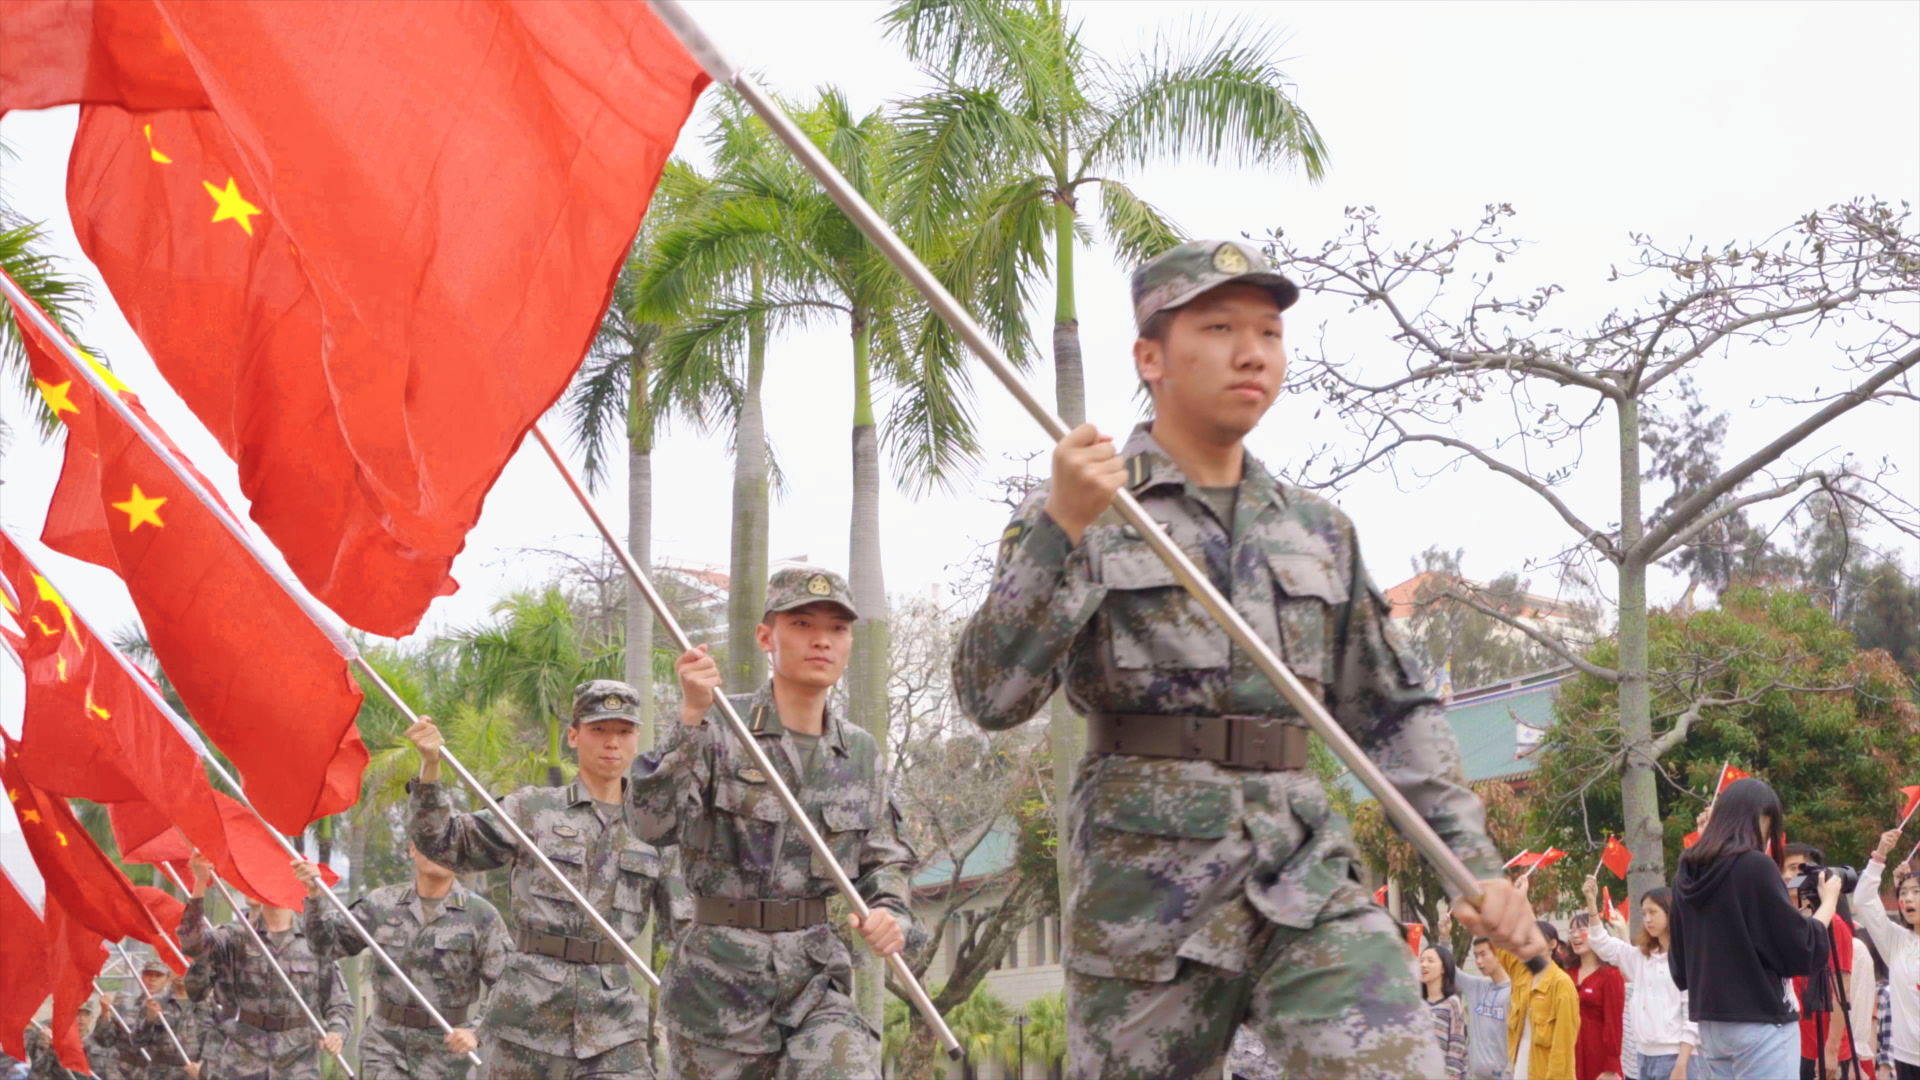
(1900, 947)
(1737, 937)
(1827, 1046)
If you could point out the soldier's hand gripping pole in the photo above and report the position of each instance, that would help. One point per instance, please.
(526, 842)
(744, 736)
(239, 916)
(148, 994)
(107, 1000)
(1411, 825)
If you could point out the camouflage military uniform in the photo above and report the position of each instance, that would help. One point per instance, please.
(453, 960)
(163, 1059)
(243, 1049)
(42, 1063)
(754, 1003)
(548, 1017)
(1206, 895)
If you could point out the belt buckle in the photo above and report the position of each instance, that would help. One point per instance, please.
(578, 951)
(777, 916)
(1254, 742)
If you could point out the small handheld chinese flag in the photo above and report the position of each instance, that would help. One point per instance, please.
(1689, 840)
(1913, 803)
(1415, 932)
(1380, 896)
(1521, 859)
(1728, 774)
(1617, 858)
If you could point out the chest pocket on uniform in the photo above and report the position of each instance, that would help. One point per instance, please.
(1151, 620)
(749, 815)
(846, 830)
(453, 959)
(571, 858)
(639, 871)
(1306, 592)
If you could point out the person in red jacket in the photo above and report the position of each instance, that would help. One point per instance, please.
(1603, 1003)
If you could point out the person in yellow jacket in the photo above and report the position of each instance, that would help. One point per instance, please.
(1544, 1022)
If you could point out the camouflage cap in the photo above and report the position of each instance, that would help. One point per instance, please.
(1179, 274)
(153, 962)
(798, 586)
(605, 699)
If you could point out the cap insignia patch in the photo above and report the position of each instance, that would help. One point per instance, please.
(819, 586)
(1229, 259)
(613, 701)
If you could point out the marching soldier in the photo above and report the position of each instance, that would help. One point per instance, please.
(44, 1064)
(566, 1006)
(143, 1013)
(452, 944)
(1212, 884)
(758, 986)
(266, 1037)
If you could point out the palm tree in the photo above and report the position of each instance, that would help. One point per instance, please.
(532, 655)
(61, 296)
(1026, 118)
(1047, 1030)
(770, 250)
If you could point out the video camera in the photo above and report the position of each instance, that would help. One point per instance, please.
(1806, 886)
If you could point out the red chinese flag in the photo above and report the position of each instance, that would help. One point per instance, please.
(75, 955)
(1380, 896)
(1689, 840)
(24, 965)
(57, 52)
(78, 875)
(256, 864)
(1525, 858)
(1617, 858)
(1415, 931)
(1913, 803)
(265, 683)
(1548, 858)
(303, 261)
(1728, 774)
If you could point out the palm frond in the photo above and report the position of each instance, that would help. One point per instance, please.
(1136, 228)
(60, 295)
(1212, 97)
(697, 370)
(955, 144)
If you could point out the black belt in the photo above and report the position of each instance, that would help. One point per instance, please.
(414, 1016)
(771, 915)
(571, 949)
(266, 1021)
(1243, 742)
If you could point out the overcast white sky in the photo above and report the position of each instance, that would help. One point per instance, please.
(1721, 122)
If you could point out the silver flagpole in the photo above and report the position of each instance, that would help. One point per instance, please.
(744, 736)
(1398, 810)
(107, 1000)
(148, 994)
(312, 608)
(240, 916)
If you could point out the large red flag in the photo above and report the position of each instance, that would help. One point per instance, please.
(257, 865)
(78, 875)
(57, 52)
(307, 264)
(261, 678)
(24, 965)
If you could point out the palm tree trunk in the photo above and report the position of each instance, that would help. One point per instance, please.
(867, 672)
(1066, 732)
(639, 651)
(747, 568)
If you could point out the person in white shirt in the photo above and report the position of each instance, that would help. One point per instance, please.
(1665, 1036)
(1900, 947)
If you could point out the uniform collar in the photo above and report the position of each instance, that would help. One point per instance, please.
(1150, 466)
(455, 900)
(763, 719)
(577, 794)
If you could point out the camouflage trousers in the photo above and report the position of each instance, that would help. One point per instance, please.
(1338, 1000)
(831, 1043)
(512, 1061)
(390, 1051)
(231, 1058)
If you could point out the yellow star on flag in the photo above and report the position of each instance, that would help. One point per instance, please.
(154, 151)
(142, 510)
(229, 204)
(106, 374)
(60, 836)
(13, 794)
(52, 596)
(56, 396)
(95, 709)
(31, 817)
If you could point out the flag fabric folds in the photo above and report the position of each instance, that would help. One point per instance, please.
(1617, 858)
(1728, 774)
(260, 677)
(366, 283)
(24, 964)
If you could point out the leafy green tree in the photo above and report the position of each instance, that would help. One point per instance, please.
(1047, 1031)
(1769, 682)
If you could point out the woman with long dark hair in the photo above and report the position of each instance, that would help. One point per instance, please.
(1738, 938)
(1439, 986)
(1658, 1009)
(1603, 1000)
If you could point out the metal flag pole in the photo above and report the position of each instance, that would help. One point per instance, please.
(1451, 869)
(314, 611)
(193, 740)
(240, 916)
(178, 1047)
(107, 1000)
(744, 736)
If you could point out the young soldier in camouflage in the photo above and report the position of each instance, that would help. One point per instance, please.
(757, 987)
(44, 1064)
(566, 1007)
(1212, 885)
(450, 942)
(267, 1037)
(143, 1013)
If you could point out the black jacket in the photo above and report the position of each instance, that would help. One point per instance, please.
(1736, 936)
